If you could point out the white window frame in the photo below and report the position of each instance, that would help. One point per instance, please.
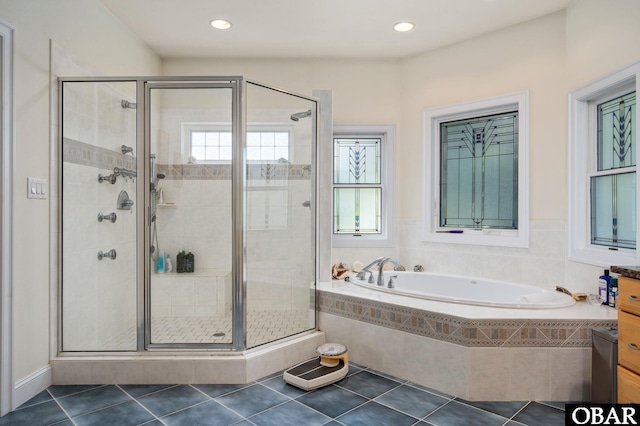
(582, 148)
(431, 120)
(188, 127)
(386, 238)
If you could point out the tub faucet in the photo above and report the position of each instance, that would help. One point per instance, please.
(381, 268)
(363, 272)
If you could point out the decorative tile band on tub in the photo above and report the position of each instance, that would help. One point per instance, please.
(463, 331)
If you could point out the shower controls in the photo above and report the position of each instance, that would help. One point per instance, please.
(125, 173)
(124, 202)
(126, 149)
(110, 178)
(111, 217)
(117, 171)
(111, 254)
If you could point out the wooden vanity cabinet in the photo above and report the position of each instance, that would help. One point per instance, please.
(628, 340)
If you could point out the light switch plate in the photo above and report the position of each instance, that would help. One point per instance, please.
(37, 188)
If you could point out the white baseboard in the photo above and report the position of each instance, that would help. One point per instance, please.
(31, 385)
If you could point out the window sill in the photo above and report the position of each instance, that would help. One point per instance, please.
(349, 241)
(485, 237)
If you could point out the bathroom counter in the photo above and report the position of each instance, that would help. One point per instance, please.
(627, 271)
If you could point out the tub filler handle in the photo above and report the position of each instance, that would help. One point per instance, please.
(392, 282)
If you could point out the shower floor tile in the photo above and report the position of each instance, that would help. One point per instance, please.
(262, 327)
(270, 401)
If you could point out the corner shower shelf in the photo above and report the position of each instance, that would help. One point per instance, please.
(166, 205)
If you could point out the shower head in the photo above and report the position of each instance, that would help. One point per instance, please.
(298, 115)
(126, 104)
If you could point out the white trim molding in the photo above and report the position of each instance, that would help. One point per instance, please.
(32, 385)
(581, 148)
(7, 126)
(388, 221)
(431, 119)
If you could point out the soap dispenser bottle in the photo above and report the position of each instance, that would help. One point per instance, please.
(604, 287)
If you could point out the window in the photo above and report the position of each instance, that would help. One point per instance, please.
(363, 211)
(210, 143)
(602, 170)
(476, 185)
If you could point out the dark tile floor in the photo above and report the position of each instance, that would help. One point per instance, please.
(364, 397)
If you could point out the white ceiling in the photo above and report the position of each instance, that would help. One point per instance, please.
(317, 28)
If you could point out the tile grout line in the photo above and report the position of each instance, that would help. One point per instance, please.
(437, 409)
(62, 408)
(221, 404)
(518, 412)
(142, 405)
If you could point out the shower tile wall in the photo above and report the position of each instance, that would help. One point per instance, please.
(201, 218)
(98, 297)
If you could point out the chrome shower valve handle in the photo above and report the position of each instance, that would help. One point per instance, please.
(111, 217)
(111, 254)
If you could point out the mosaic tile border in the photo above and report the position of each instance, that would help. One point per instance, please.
(85, 154)
(262, 172)
(463, 331)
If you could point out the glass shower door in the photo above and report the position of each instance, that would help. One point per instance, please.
(191, 145)
(280, 220)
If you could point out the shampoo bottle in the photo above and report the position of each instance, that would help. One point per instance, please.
(160, 263)
(604, 286)
(189, 262)
(168, 266)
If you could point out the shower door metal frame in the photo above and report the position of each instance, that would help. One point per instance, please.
(238, 213)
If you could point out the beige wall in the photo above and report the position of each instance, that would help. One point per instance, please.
(364, 91)
(601, 36)
(548, 56)
(86, 29)
(529, 57)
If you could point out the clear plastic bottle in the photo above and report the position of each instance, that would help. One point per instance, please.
(168, 266)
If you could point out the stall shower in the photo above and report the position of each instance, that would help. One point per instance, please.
(187, 214)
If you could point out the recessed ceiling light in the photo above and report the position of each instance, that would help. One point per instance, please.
(403, 26)
(221, 24)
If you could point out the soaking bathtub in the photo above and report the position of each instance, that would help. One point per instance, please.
(465, 290)
(481, 340)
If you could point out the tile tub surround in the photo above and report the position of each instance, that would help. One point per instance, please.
(473, 352)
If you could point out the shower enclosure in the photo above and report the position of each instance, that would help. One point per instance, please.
(214, 176)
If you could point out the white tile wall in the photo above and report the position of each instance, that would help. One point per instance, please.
(543, 264)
